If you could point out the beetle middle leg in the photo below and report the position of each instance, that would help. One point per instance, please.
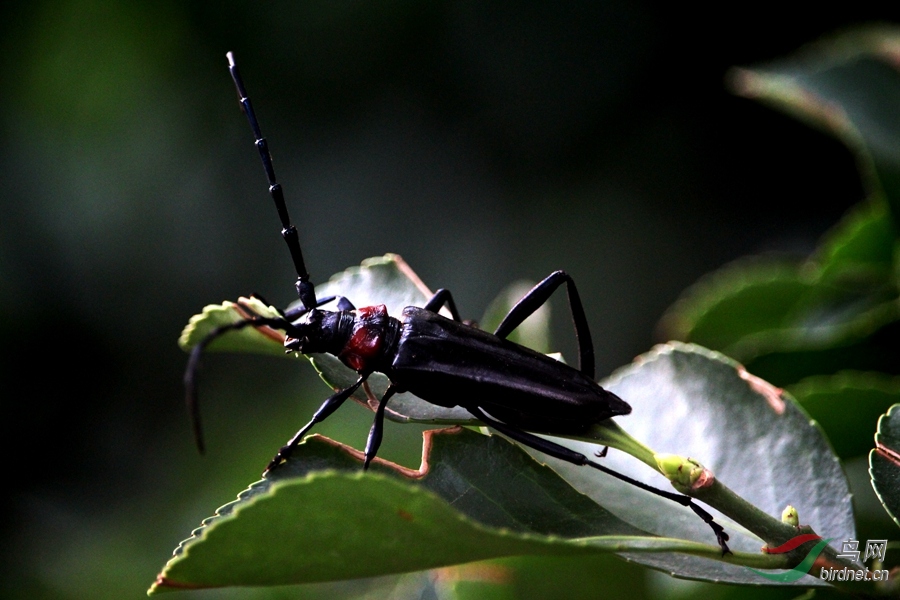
(442, 298)
(377, 431)
(536, 298)
(576, 458)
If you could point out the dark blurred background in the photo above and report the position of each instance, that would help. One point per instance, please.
(485, 142)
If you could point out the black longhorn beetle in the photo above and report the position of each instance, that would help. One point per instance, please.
(446, 362)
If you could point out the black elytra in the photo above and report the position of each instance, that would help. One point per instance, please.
(444, 361)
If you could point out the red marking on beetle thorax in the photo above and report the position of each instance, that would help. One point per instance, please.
(365, 341)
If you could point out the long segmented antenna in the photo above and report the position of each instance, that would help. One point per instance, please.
(305, 288)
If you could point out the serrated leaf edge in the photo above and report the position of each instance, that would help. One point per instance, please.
(887, 454)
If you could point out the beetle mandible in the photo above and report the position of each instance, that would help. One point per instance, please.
(444, 361)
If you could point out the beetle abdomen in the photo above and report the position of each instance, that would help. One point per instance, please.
(451, 364)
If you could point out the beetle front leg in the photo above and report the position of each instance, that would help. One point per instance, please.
(576, 458)
(536, 298)
(328, 407)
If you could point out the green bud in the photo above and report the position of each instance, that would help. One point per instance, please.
(686, 474)
(790, 516)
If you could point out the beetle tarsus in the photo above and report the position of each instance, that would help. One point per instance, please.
(279, 458)
(721, 534)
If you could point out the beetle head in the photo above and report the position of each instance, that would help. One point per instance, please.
(313, 332)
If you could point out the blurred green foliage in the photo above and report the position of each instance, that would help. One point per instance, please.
(827, 327)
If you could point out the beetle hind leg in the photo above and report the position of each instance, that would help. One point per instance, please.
(576, 458)
(536, 298)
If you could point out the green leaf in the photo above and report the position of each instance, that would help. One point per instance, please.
(884, 462)
(847, 406)
(759, 306)
(746, 298)
(849, 86)
(481, 497)
(862, 244)
(250, 340)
